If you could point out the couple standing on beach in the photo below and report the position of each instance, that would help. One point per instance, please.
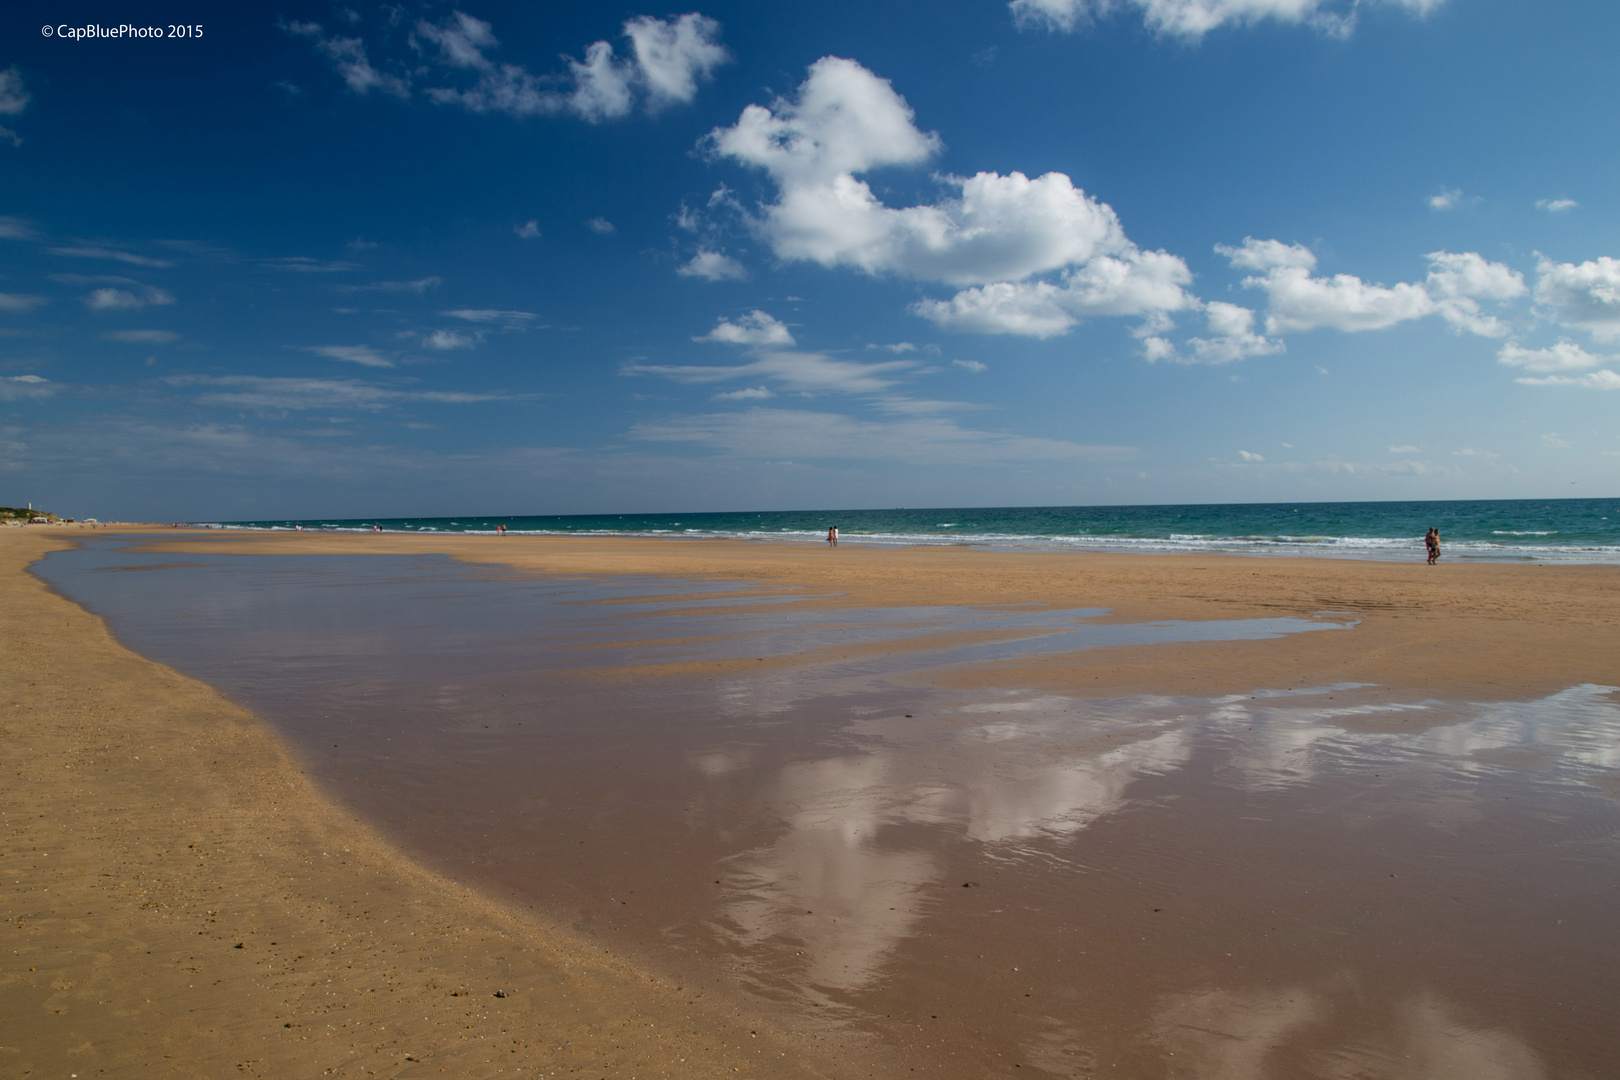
(832, 536)
(1431, 540)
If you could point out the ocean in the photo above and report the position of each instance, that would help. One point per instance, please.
(1541, 530)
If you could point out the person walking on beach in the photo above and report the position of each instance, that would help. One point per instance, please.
(832, 536)
(1431, 540)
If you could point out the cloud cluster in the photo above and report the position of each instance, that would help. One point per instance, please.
(992, 232)
(1190, 20)
(1297, 301)
(114, 299)
(667, 59)
(754, 328)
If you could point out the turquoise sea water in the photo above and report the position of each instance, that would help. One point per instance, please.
(1549, 530)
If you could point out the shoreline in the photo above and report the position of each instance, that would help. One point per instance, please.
(217, 838)
(181, 900)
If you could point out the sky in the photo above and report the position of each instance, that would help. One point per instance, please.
(309, 259)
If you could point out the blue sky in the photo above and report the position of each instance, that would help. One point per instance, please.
(530, 258)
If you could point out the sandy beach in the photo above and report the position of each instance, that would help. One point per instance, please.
(182, 899)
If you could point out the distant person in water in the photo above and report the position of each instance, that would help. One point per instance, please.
(832, 536)
(1431, 540)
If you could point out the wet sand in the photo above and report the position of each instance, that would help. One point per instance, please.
(1121, 859)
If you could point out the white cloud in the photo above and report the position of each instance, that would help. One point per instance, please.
(798, 372)
(419, 286)
(110, 299)
(13, 100)
(897, 347)
(24, 387)
(20, 303)
(90, 252)
(845, 121)
(713, 266)
(1133, 283)
(1249, 456)
(143, 337)
(1192, 19)
(304, 264)
(754, 328)
(490, 315)
(348, 59)
(668, 58)
(1264, 255)
(1457, 282)
(1564, 356)
(1404, 449)
(363, 355)
(1446, 200)
(1298, 301)
(1595, 380)
(13, 97)
(16, 228)
(1586, 296)
(750, 393)
(800, 435)
(601, 226)
(1556, 206)
(529, 230)
(1232, 337)
(970, 365)
(258, 392)
(449, 339)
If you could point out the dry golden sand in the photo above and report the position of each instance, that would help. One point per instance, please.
(179, 902)
(151, 826)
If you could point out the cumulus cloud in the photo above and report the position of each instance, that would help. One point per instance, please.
(713, 266)
(363, 355)
(755, 328)
(20, 303)
(449, 339)
(1247, 455)
(1457, 282)
(1451, 199)
(1556, 206)
(747, 393)
(529, 230)
(1594, 380)
(1232, 336)
(111, 299)
(260, 392)
(1564, 356)
(666, 62)
(970, 365)
(1298, 301)
(600, 226)
(804, 435)
(1133, 283)
(1190, 20)
(142, 337)
(1585, 296)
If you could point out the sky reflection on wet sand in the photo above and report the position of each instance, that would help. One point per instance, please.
(1310, 882)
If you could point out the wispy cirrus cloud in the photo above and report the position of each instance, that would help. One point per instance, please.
(142, 337)
(798, 372)
(419, 286)
(1190, 20)
(491, 315)
(304, 264)
(766, 433)
(283, 394)
(364, 355)
(21, 303)
(88, 251)
(14, 98)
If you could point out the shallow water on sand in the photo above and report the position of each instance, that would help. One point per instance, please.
(1280, 884)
